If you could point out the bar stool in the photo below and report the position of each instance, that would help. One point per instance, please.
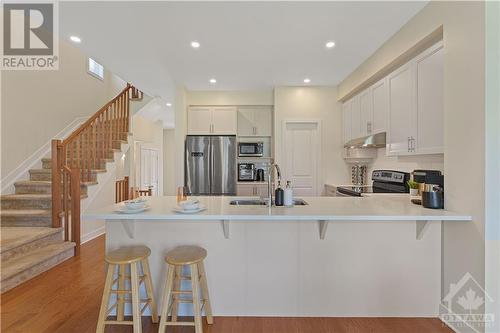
(176, 259)
(133, 256)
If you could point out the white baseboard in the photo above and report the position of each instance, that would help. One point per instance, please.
(93, 234)
(22, 171)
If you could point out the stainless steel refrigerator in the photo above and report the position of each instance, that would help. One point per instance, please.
(210, 165)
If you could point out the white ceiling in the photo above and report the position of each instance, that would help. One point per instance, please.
(244, 45)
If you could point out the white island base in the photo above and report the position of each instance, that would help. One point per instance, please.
(281, 267)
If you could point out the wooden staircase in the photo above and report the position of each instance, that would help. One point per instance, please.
(40, 223)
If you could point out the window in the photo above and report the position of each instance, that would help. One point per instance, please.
(96, 69)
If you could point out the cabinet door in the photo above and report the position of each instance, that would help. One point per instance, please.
(346, 120)
(430, 82)
(224, 121)
(245, 190)
(246, 122)
(263, 121)
(199, 120)
(380, 104)
(355, 119)
(365, 111)
(402, 122)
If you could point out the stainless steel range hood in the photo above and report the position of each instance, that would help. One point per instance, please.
(370, 141)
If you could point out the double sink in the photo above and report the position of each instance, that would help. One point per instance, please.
(261, 202)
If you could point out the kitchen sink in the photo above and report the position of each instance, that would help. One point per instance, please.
(260, 202)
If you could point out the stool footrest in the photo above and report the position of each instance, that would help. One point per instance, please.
(179, 323)
(118, 322)
(120, 291)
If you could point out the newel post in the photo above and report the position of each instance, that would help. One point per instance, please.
(75, 208)
(56, 183)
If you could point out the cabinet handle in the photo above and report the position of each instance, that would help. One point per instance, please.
(409, 147)
(413, 144)
(369, 127)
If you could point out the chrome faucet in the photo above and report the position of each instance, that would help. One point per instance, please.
(270, 183)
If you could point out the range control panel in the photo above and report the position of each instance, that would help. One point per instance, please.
(390, 176)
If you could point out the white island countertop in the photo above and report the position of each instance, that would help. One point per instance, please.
(375, 208)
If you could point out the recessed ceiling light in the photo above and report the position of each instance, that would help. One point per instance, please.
(306, 80)
(169, 104)
(213, 81)
(75, 39)
(195, 44)
(330, 44)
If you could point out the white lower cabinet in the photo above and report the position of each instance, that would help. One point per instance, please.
(251, 190)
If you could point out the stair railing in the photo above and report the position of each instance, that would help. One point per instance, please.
(76, 159)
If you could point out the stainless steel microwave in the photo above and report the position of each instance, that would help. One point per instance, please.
(251, 149)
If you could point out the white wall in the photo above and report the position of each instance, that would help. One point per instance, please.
(313, 103)
(36, 105)
(464, 121)
(147, 134)
(169, 184)
(230, 97)
(493, 159)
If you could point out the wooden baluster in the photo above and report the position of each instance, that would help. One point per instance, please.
(75, 209)
(66, 187)
(56, 183)
(91, 153)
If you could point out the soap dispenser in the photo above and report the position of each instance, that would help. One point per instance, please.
(288, 195)
(278, 195)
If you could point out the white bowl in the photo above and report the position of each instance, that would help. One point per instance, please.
(189, 204)
(135, 204)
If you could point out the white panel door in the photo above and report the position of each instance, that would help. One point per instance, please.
(199, 120)
(224, 121)
(150, 166)
(380, 104)
(402, 122)
(365, 111)
(302, 149)
(355, 119)
(346, 120)
(430, 84)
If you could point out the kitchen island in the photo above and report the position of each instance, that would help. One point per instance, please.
(380, 256)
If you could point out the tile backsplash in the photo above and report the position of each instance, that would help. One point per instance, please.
(405, 163)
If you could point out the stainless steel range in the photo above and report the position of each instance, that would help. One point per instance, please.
(384, 181)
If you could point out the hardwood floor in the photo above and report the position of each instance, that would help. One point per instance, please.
(66, 299)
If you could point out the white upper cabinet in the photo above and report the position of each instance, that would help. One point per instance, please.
(355, 118)
(430, 82)
(379, 106)
(212, 121)
(407, 105)
(224, 121)
(365, 112)
(346, 120)
(255, 121)
(402, 120)
(199, 120)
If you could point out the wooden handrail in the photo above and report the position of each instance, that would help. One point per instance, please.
(97, 114)
(77, 159)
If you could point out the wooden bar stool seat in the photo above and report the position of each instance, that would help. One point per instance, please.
(136, 259)
(177, 259)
